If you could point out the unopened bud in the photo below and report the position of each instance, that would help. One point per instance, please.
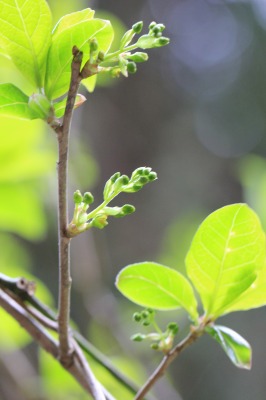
(143, 180)
(121, 181)
(152, 25)
(152, 176)
(115, 177)
(137, 27)
(93, 45)
(100, 56)
(138, 337)
(138, 57)
(162, 41)
(77, 197)
(131, 67)
(137, 317)
(173, 327)
(128, 209)
(88, 198)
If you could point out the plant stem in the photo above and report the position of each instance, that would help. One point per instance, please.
(65, 351)
(167, 360)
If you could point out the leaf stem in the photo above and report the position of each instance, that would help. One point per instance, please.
(65, 350)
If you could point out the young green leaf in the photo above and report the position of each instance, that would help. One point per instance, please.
(25, 36)
(14, 103)
(153, 285)
(234, 345)
(254, 296)
(73, 30)
(225, 256)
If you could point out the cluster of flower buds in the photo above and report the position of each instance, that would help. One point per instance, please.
(82, 220)
(122, 183)
(161, 341)
(154, 38)
(125, 60)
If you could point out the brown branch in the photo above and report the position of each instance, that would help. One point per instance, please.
(65, 352)
(167, 360)
(78, 369)
(34, 328)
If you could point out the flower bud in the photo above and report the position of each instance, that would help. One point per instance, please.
(137, 316)
(115, 177)
(93, 45)
(136, 188)
(152, 25)
(155, 346)
(77, 197)
(138, 337)
(121, 181)
(162, 41)
(152, 176)
(145, 314)
(100, 57)
(88, 198)
(138, 57)
(131, 67)
(137, 27)
(128, 209)
(173, 327)
(143, 180)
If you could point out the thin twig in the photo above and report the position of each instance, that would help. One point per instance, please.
(65, 353)
(94, 384)
(23, 296)
(166, 361)
(34, 328)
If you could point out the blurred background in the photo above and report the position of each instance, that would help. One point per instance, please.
(195, 113)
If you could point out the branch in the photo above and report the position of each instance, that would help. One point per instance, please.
(80, 370)
(167, 360)
(65, 353)
(34, 328)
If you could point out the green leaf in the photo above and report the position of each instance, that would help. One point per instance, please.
(14, 103)
(74, 29)
(254, 296)
(234, 345)
(153, 285)
(25, 36)
(225, 256)
(90, 83)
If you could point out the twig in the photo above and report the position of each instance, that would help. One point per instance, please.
(65, 353)
(21, 294)
(34, 328)
(167, 360)
(96, 389)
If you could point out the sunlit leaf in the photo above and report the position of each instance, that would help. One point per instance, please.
(254, 296)
(14, 103)
(225, 255)
(234, 345)
(78, 30)
(154, 285)
(25, 36)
